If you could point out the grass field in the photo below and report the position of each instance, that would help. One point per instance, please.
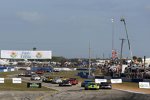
(9, 86)
(5, 74)
(69, 74)
(65, 74)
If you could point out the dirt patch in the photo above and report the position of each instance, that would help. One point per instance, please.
(130, 87)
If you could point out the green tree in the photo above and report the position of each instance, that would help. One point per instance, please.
(34, 48)
(134, 58)
(58, 59)
(139, 59)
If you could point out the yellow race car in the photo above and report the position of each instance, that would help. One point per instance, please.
(91, 85)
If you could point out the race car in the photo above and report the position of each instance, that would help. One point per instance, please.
(56, 81)
(39, 72)
(73, 81)
(92, 85)
(47, 79)
(105, 85)
(86, 82)
(65, 83)
(35, 77)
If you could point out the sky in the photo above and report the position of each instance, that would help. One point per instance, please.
(68, 26)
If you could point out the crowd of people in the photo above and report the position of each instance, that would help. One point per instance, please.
(126, 69)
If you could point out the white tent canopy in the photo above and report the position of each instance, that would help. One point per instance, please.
(4, 62)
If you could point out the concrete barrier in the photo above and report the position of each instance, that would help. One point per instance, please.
(124, 79)
(137, 80)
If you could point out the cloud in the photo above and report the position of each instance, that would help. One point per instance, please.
(31, 16)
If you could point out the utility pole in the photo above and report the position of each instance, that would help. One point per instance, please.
(122, 41)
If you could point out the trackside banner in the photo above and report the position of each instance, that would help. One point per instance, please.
(1, 80)
(16, 80)
(100, 80)
(116, 80)
(15, 54)
(145, 85)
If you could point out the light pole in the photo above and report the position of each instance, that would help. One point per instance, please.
(89, 59)
(112, 33)
(113, 49)
(123, 20)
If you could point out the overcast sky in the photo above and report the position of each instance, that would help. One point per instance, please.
(67, 26)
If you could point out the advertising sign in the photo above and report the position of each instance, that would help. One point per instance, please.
(1, 80)
(145, 85)
(100, 80)
(116, 80)
(5, 70)
(114, 54)
(16, 80)
(14, 54)
(12, 69)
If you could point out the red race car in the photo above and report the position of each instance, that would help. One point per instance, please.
(39, 72)
(73, 81)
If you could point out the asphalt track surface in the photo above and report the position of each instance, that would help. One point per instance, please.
(72, 93)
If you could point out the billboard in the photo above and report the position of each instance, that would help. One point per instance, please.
(15, 54)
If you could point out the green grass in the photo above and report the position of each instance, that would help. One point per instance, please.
(65, 74)
(70, 74)
(9, 86)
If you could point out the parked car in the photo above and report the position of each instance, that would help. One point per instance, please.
(105, 85)
(73, 81)
(86, 82)
(92, 85)
(65, 83)
(35, 77)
